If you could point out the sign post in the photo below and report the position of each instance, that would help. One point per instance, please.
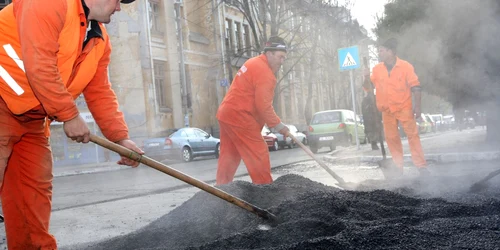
(349, 60)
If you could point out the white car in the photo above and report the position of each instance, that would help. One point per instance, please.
(288, 142)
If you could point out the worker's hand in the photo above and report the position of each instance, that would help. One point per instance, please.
(77, 129)
(132, 146)
(418, 113)
(285, 131)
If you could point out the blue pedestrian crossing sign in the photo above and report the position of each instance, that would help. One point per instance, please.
(348, 58)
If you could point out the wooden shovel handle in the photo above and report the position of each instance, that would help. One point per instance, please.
(181, 176)
(320, 162)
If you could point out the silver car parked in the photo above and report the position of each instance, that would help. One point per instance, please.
(282, 143)
(184, 144)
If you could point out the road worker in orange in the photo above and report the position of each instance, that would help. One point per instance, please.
(395, 83)
(50, 53)
(246, 108)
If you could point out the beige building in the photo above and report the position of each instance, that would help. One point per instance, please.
(165, 65)
(173, 61)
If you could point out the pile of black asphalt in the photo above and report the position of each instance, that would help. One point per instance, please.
(405, 214)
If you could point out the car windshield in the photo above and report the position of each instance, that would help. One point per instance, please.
(327, 117)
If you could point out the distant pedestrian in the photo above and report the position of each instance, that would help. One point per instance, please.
(372, 118)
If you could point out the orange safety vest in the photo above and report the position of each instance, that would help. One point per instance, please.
(393, 90)
(76, 67)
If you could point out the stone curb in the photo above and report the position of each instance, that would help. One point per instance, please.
(90, 170)
(436, 158)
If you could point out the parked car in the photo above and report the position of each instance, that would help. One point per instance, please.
(439, 122)
(424, 124)
(270, 138)
(449, 122)
(282, 143)
(431, 121)
(334, 127)
(469, 122)
(184, 144)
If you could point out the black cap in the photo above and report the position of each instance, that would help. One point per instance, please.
(275, 43)
(126, 1)
(391, 43)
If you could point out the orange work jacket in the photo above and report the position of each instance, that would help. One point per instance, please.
(43, 67)
(393, 90)
(249, 101)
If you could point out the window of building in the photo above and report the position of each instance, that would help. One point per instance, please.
(237, 37)
(231, 2)
(229, 38)
(246, 37)
(162, 88)
(156, 17)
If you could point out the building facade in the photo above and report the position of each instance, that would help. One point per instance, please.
(173, 61)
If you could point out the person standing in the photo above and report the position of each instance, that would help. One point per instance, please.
(50, 53)
(395, 84)
(246, 108)
(372, 118)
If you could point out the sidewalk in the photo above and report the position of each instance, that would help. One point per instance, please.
(451, 146)
(60, 171)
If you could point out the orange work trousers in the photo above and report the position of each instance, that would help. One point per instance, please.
(25, 181)
(406, 117)
(241, 143)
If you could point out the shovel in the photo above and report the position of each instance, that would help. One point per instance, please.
(481, 185)
(183, 177)
(341, 182)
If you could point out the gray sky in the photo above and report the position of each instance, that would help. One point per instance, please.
(366, 10)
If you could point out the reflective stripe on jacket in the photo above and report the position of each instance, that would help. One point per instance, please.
(39, 44)
(51, 69)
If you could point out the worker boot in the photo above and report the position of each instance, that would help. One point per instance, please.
(374, 145)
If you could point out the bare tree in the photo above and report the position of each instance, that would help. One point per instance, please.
(313, 29)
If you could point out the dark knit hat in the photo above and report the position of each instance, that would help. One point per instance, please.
(275, 43)
(391, 43)
(127, 1)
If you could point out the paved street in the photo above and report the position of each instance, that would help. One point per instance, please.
(88, 189)
(91, 207)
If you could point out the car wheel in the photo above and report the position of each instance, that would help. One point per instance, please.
(333, 147)
(275, 146)
(187, 155)
(314, 149)
(304, 141)
(217, 151)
